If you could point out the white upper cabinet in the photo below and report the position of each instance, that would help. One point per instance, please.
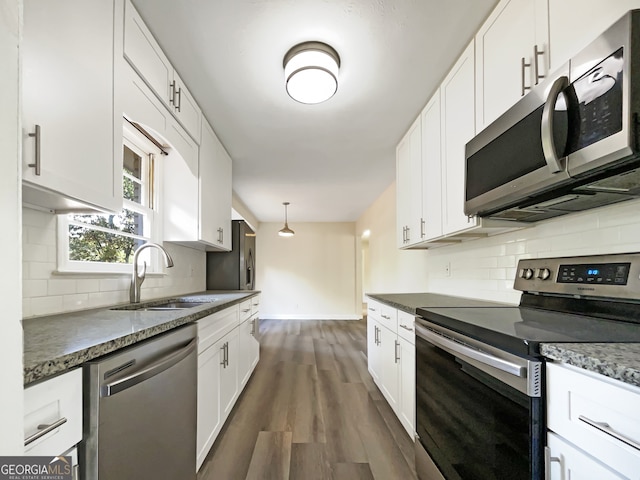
(146, 56)
(409, 186)
(68, 96)
(511, 47)
(431, 169)
(457, 128)
(215, 191)
(589, 18)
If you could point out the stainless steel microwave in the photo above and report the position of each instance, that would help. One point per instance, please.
(570, 144)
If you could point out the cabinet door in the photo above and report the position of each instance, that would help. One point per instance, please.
(409, 186)
(180, 195)
(145, 55)
(215, 191)
(373, 350)
(229, 371)
(389, 360)
(185, 107)
(247, 351)
(589, 18)
(569, 462)
(140, 105)
(407, 387)
(458, 127)
(67, 89)
(506, 38)
(209, 420)
(431, 169)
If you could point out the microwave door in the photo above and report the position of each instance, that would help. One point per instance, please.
(603, 78)
(506, 162)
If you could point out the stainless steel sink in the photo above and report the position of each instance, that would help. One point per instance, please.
(173, 305)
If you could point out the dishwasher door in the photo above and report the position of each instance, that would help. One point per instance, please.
(140, 411)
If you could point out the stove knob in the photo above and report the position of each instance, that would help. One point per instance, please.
(527, 274)
(544, 274)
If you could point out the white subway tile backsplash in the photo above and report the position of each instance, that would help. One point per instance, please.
(46, 305)
(40, 270)
(63, 286)
(86, 285)
(34, 288)
(35, 253)
(75, 302)
(41, 236)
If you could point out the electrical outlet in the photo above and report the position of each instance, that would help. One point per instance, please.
(447, 269)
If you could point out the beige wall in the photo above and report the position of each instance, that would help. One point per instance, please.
(390, 270)
(11, 409)
(485, 268)
(310, 275)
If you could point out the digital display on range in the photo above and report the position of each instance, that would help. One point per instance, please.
(605, 273)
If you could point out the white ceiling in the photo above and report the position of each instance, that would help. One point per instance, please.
(331, 160)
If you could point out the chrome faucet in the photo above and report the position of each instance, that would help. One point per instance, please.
(138, 277)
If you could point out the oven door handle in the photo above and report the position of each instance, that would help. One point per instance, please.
(485, 358)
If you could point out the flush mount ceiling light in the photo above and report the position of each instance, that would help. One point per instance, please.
(311, 72)
(286, 231)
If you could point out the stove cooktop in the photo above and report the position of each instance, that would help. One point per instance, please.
(520, 330)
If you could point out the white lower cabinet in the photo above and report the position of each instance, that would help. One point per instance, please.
(391, 360)
(53, 417)
(225, 363)
(593, 425)
(566, 461)
(228, 347)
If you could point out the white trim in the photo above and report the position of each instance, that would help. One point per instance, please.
(309, 317)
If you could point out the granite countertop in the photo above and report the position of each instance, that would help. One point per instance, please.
(620, 361)
(53, 344)
(410, 302)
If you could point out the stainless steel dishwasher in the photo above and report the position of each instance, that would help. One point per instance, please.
(140, 411)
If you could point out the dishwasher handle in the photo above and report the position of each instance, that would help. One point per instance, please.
(150, 371)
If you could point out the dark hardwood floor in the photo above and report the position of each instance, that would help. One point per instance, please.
(311, 412)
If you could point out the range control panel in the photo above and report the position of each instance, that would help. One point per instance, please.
(604, 273)
(613, 276)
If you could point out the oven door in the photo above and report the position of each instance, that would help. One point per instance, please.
(478, 409)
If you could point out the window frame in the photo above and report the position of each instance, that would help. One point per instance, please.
(152, 225)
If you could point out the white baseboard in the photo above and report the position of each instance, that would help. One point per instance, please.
(267, 316)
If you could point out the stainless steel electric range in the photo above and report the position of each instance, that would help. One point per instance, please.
(480, 396)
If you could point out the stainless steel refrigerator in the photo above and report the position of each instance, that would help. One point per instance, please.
(234, 270)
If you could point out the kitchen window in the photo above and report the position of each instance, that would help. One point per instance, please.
(107, 242)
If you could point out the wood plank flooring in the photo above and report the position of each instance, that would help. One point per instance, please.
(311, 412)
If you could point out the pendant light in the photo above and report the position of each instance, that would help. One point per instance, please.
(286, 231)
(311, 72)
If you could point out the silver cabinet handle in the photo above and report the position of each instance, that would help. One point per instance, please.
(220, 235)
(454, 347)
(179, 99)
(43, 430)
(546, 125)
(376, 339)
(253, 328)
(36, 135)
(606, 428)
(386, 316)
(246, 310)
(523, 66)
(536, 64)
(152, 370)
(397, 344)
(406, 328)
(172, 97)
(223, 362)
(408, 234)
(548, 460)
(372, 309)
(422, 225)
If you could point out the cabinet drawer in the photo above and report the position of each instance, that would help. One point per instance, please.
(58, 400)
(571, 462)
(389, 317)
(406, 327)
(213, 327)
(597, 414)
(255, 305)
(374, 309)
(245, 310)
